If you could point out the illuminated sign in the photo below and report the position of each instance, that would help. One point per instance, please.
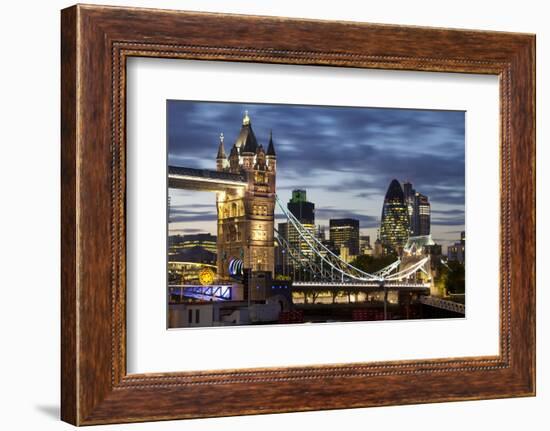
(236, 267)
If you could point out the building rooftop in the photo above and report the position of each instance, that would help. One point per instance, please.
(395, 191)
(246, 141)
(271, 147)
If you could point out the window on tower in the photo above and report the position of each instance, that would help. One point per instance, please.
(259, 177)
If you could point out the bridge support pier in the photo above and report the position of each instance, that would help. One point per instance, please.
(404, 299)
(383, 286)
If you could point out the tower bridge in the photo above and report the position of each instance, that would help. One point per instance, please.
(245, 187)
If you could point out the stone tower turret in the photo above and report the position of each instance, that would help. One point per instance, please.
(221, 160)
(270, 155)
(246, 217)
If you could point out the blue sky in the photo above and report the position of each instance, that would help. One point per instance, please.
(345, 158)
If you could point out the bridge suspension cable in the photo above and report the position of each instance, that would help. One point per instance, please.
(330, 266)
(334, 262)
(300, 259)
(388, 269)
(328, 257)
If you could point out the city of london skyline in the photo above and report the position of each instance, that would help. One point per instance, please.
(344, 158)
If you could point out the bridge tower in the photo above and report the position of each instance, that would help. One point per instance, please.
(416, 249)
(246, 217)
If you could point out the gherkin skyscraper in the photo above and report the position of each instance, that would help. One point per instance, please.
(394, 227)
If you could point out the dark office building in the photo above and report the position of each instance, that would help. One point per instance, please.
(304, 211)
(345, 232)
(423, 214)
(457, 251)
(299, 206)
(418, 211)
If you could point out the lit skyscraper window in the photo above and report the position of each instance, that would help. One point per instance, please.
(394, 227)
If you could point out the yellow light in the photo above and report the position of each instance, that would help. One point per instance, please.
(206, 276)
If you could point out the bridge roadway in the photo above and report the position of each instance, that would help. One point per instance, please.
(204, 179)
(364, 286)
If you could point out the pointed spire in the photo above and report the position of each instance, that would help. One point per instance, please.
(246, 119)
(260, 149)
(250, 143)
(221, 149)
(271, 147)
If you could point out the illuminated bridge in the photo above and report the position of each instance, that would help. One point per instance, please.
(324, 269)
(321, 263)
(364, 286)
(328, 269)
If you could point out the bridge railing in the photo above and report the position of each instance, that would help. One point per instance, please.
(443, 304)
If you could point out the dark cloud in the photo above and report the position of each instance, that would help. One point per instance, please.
(324, 214)
(302, 185)
(451, 212)
(448, 217)
(356, 151)
(455, 221)
(193, 206)
(365, 221)
(185, 215)
(184, 231)
(366, 187)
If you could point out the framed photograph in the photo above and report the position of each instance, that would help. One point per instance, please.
(247, 246)
(265, 215)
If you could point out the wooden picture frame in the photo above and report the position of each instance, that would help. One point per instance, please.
(95, 43)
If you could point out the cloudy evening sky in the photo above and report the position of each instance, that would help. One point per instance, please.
(343, 157)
